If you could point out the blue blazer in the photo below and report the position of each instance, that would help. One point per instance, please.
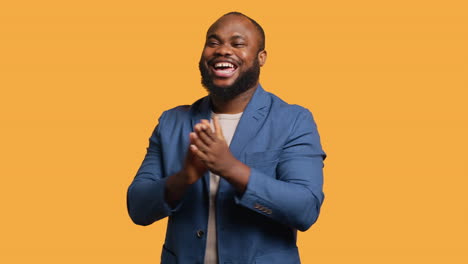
(281, 145)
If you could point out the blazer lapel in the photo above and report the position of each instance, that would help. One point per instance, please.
(252, 119)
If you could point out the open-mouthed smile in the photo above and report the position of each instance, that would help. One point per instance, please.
(224, 69)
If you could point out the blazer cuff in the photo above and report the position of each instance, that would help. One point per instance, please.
(251, 199)
(168, 210)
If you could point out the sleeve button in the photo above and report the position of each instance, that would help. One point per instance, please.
(200, 233)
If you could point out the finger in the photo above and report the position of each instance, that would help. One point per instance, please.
(208, 128)
(195, 140)
(203, 135)
(204, 125)
(204, 132)
(193, 148)
(199, 127)
(207, 123)
(217, 126)
(196, 151)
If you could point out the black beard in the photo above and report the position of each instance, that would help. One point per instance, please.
(244, 82)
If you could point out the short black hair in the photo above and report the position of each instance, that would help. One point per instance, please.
(259, 28)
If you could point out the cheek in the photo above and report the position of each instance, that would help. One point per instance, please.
(244, 55)
(247, 56)
(206, 53)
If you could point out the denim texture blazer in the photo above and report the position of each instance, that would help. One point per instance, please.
(281, 145)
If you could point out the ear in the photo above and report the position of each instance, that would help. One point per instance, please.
(262, 56)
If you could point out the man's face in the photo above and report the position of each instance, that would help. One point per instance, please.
(231, 60)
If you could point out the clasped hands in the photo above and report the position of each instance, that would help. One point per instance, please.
(209, 151)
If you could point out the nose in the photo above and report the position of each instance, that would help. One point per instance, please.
(223, 50)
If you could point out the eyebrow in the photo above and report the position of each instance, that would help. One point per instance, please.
(218, 38)
(237, 37)
(213, 36)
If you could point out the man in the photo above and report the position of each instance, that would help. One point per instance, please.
(237, 172)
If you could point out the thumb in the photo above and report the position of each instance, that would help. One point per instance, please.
(218, 129)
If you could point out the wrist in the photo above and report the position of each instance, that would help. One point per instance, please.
(238, 176)
(232, 169)
(184, 177)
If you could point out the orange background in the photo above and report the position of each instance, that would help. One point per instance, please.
(83, 83)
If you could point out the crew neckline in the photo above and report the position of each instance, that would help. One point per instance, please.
(227, 116)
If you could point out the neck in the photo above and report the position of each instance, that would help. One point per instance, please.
(232, 106)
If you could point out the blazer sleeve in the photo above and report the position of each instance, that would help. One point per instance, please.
(145, 196)
(295, 195)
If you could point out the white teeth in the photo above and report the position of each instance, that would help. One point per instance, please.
(224, 65)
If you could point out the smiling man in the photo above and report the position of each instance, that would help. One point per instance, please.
(239, 171)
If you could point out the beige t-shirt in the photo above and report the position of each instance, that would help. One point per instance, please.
(228, 123)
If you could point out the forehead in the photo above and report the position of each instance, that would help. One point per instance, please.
(234, 25)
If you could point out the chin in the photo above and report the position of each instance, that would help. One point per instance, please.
(223, 83)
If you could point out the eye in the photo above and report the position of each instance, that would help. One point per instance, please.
(239, 45)
(212, 43)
